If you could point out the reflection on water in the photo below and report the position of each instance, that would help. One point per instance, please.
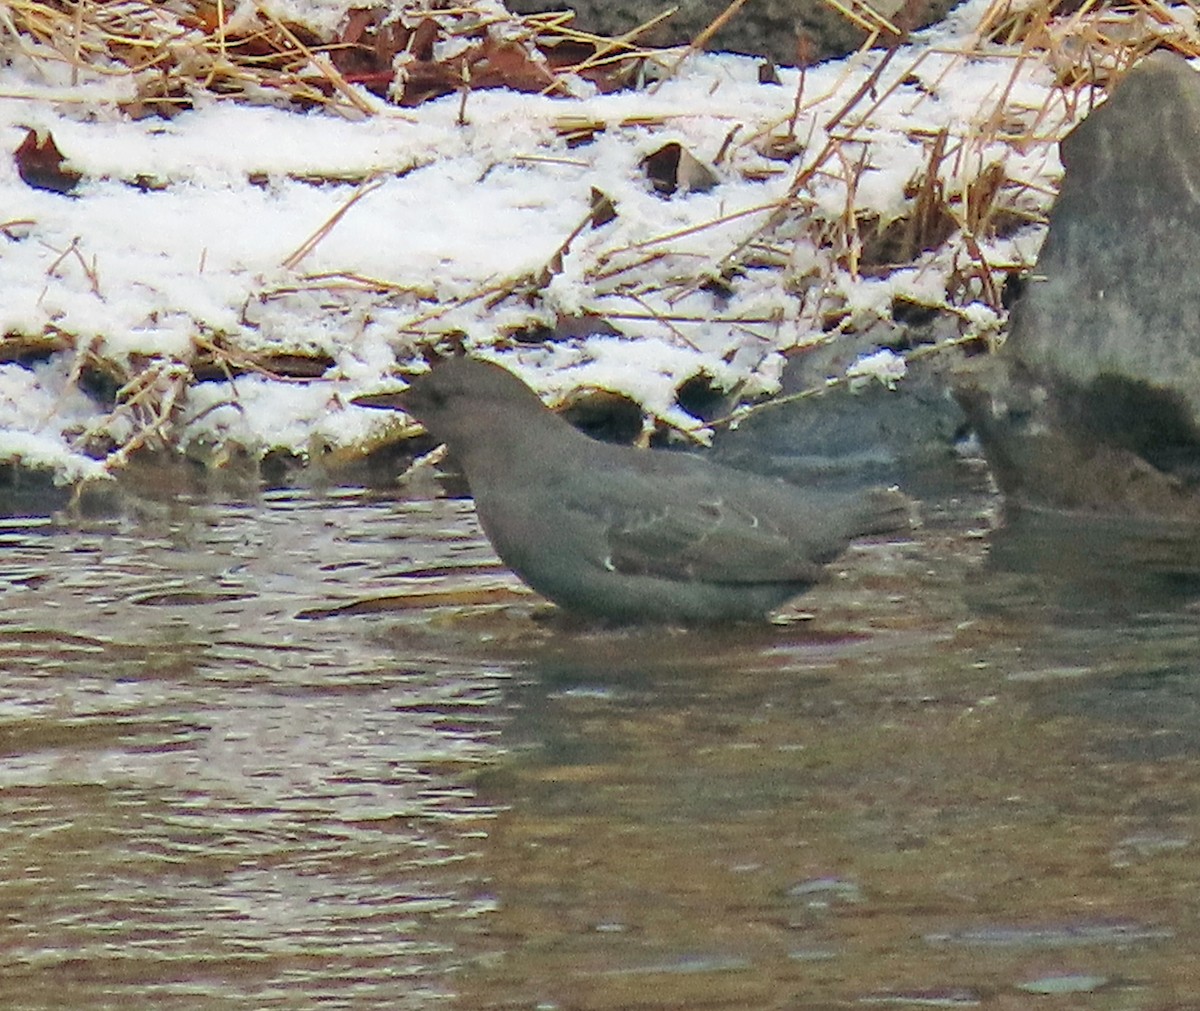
(968, 777)
(203, 797)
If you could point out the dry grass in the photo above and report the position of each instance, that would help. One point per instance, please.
(172, 52)
(176, 52)
(963, 197)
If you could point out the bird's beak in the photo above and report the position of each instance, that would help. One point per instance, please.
(393, 400)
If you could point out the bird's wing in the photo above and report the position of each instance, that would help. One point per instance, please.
(684, 532)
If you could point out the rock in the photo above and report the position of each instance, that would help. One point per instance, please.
(769, 28)
(850, 436)
(1093, 403)
(1116, 290)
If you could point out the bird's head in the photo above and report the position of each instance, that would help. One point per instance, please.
(465, 402)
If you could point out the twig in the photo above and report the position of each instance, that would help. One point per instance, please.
(605, 48)
(327, 69)
(311, 243)
(741, 413)
(699, 42)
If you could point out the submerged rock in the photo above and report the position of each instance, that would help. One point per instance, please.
(844, 438)
(1093, 403)
(852, 435)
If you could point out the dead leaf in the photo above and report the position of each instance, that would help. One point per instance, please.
(672, 167)
(41, 164)
(603, 210)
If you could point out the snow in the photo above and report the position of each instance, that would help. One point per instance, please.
(49, 410)
(884, 365)
(221, 227)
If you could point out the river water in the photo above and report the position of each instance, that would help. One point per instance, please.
(317, 749)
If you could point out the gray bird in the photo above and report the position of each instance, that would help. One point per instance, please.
(630, 535)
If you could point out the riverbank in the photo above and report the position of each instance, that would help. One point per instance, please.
(238, 238)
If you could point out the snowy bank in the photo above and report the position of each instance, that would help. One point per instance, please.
(230, 276)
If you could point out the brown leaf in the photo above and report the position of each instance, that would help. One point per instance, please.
(41, 164)
(768, 73)
(672, 167)
(508, 65)
(603, 210)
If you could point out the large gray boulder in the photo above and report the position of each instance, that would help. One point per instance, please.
(1117, 290)
(1094, 400)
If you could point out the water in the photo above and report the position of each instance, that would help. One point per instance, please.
(316, 749)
